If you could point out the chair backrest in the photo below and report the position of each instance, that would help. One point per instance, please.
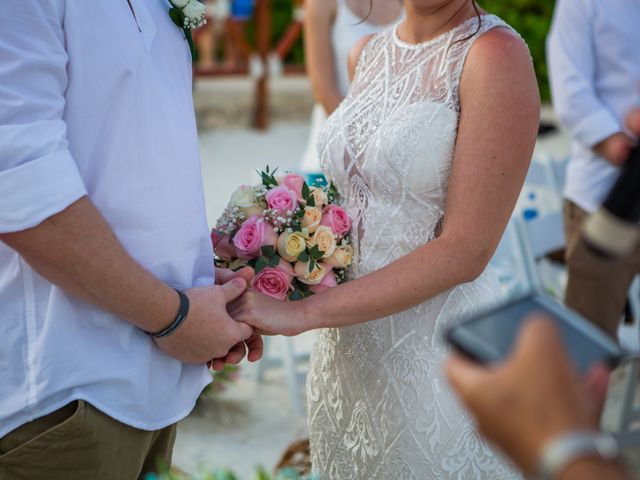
(544, 234)
(541, 173)
(510, 263)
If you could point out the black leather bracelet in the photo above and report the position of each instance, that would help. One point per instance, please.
(180, 318)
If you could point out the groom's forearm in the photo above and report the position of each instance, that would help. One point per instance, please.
(77, 251)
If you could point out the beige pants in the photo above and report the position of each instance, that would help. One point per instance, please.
(80, 442)
(597, 287)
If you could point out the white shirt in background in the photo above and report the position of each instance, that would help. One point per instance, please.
(93, 102)
(594, 65)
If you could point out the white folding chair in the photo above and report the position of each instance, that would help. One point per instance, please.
(539, 237)
(510, 264)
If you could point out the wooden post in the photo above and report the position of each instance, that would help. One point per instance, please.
(263, 40)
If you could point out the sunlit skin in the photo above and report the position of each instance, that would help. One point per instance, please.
(318, 23)
(498, 123)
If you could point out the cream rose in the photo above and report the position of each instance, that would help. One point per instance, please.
(315, 276)
(342, 257)
(291, 245)
(179, 3)
(245, 199)
(312, 218)
(325, 239)
(320, 196)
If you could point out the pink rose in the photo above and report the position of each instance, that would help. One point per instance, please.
(222, 245)
(254, 234)
(294, 183)
(275, 282)
(337, 219)
(282, 199)
(329, 281)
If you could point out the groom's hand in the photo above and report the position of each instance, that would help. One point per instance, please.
(208, 332)
(254, 344)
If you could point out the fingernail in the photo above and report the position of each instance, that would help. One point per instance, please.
(238, 282)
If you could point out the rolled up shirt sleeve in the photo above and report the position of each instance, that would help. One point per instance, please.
(38, 175)
(572, 69)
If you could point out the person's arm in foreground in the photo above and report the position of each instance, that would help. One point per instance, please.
(572, 69)
(46, 216)
(318, 20)
(534, 398)
(497, 132)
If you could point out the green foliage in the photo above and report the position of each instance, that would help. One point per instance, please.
(532, 19)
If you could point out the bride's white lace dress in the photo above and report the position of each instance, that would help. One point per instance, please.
(379, 406)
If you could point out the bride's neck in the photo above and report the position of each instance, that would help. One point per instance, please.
(422, 23)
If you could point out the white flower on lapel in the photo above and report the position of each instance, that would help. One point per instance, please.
(194, 11)
(187, 15)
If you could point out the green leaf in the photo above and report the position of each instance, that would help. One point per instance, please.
(261, 264)
(273, 261)
(311, 201)
(177, 16)
(303, 257)
(268, 251)
(306, 192)
(315, 253)
(312, 266)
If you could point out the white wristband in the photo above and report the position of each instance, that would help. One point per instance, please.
(565, 450)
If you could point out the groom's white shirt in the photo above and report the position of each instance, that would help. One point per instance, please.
(93, 103)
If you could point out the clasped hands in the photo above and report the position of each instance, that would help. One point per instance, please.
(226, 322)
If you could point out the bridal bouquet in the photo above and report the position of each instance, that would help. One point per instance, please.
(293, 235)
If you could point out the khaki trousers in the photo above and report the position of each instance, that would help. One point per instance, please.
(80, 442)
(597, 287)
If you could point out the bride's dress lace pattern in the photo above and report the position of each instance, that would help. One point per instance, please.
(379, 407)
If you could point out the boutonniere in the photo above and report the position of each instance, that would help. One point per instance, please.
(187, 15)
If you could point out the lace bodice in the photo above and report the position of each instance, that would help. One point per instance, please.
(379, 407)
(389, 146)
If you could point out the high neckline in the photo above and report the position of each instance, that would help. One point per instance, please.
(438, 38)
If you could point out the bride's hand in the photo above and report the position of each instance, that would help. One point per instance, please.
(268, 316)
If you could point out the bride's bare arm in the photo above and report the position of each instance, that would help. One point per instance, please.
(497, 132)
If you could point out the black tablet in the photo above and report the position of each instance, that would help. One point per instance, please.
(489, 337)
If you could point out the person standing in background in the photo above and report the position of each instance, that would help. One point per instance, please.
(594, 65)
(332, 27)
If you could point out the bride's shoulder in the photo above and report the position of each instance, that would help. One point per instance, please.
(500, 50)
(499, 64)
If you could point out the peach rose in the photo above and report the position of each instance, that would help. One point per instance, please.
(329, 281)
(311, 278)
(254, 234)
(337, 219)
(342, 257)
(320, 196)
(325, 239)
(291, 245)
(311, 219)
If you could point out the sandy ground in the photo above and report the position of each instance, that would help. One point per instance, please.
(253, 421)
